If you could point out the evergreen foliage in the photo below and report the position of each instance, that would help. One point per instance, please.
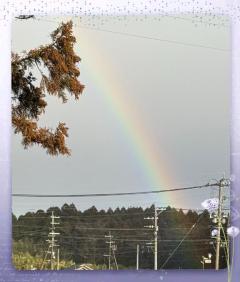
(82, 236)
(58, 72)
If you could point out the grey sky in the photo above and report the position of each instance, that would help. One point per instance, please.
(180, 93)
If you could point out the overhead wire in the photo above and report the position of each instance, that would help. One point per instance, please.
(31, 195)
(143, 36)
(183, 239)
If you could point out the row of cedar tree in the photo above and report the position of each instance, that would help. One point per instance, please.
(82, 236)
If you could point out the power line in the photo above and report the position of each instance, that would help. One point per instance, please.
(124, 239)
(183, 239)
(187, 19)
(133, 251)
(87, 226)
(28, 195)
(145, 37)
(194, 20)
(157, 39)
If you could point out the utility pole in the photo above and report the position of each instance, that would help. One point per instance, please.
(137, 258)
(52, 241)
(109, 248)
(155, 238)
(221, 184)
(219, 217)
(57, 259)
(112, 247)
(157, 211)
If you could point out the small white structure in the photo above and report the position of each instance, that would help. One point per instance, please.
(85, 266)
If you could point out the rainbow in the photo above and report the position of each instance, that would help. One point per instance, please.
(154, 166)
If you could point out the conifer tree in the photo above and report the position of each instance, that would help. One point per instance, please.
(57, 64)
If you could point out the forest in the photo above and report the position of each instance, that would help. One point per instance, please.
(184, 236)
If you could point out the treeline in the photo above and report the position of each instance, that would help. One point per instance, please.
(82, 236)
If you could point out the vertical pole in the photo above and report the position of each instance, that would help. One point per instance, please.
(137, 258)
(155, 238)
(219, 218)
(155, 228)
(114, 256)
(110, 250)
(52, 242)
(58, 259)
